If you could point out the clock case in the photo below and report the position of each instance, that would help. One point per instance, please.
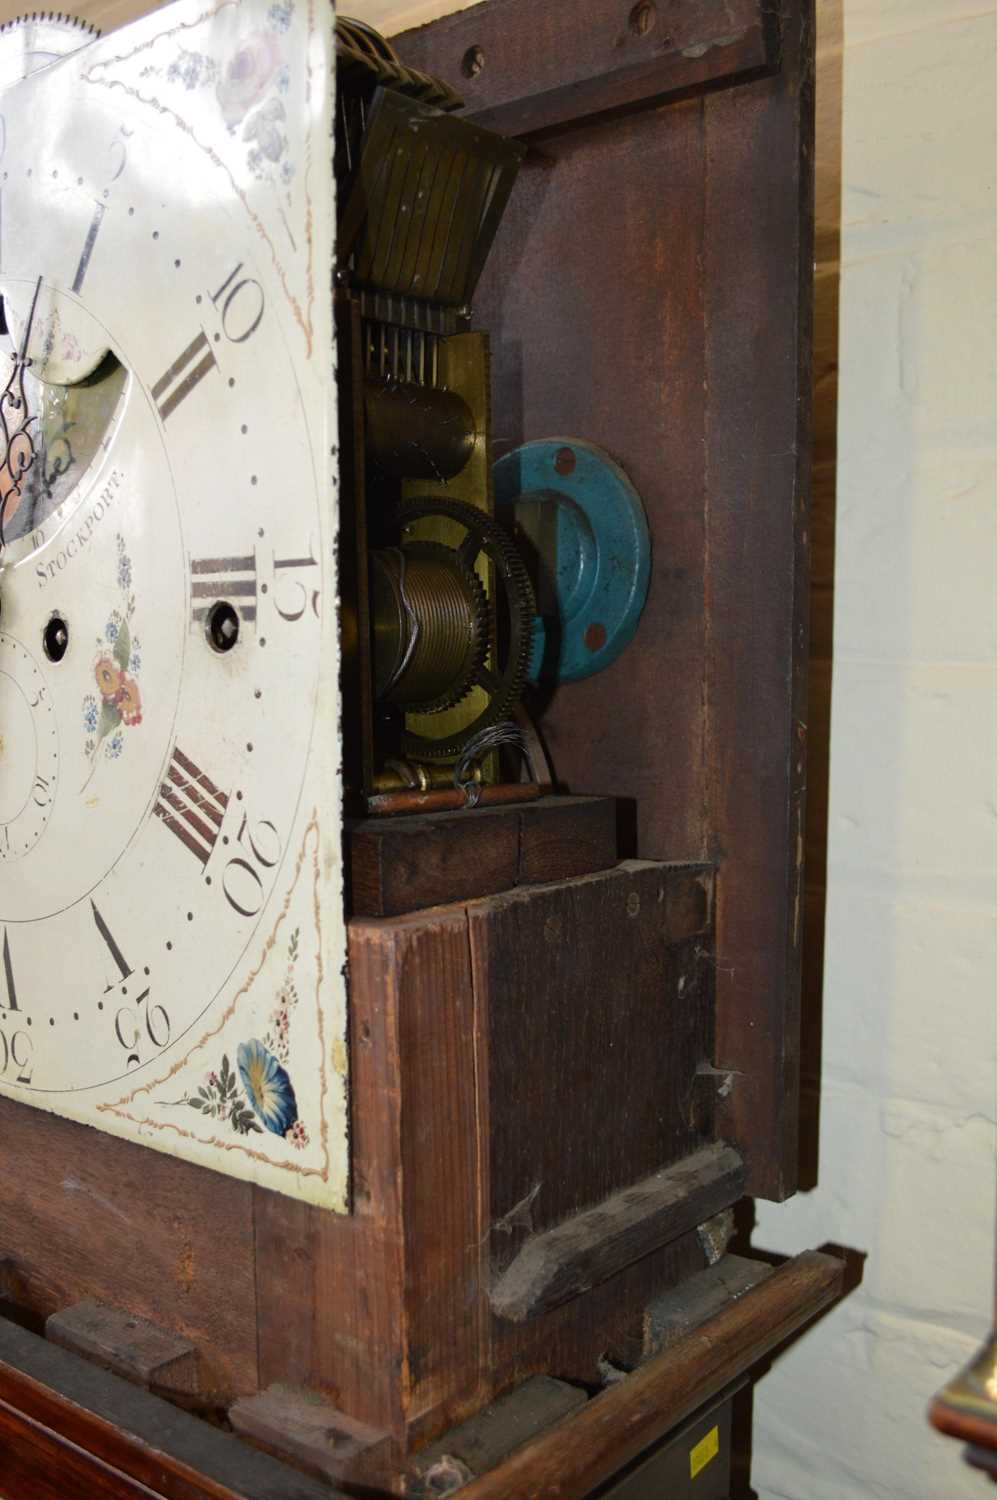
(559, 1083)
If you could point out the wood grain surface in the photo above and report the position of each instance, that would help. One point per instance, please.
(598, 1022)
(405, 864)
(69, 1431)
(562, 63)
(677, 335)
(567, 1261)
(88, 1216)
(388, 1310)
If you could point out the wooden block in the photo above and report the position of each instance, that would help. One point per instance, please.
(548, 67)
(554, 1267)
(699, 1298)
(303, 1426)
(404, 864)
(132, 1347)
(488, 1437)
(563, 837)
(69, 1431)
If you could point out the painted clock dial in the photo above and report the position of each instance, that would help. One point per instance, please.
(170, 890)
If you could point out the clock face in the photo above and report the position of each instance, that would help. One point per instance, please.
(170, 893)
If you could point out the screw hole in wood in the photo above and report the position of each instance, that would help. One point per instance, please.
(643, 17)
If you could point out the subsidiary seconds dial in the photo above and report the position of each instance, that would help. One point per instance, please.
(29, 751)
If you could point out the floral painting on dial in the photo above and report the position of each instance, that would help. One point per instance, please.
(116, 705)
(258, 1095)
(250, 87)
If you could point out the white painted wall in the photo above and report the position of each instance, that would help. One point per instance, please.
(907, 1132)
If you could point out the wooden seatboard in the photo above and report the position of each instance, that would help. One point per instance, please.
(403, 864)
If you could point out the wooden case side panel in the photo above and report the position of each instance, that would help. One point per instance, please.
(759, 268)
(92, 1216)
(445, 1169)
(676, 334)
(609, 349)
(331, 1287)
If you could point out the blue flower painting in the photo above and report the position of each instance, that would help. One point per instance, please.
(259, 1087)
(268, 1087)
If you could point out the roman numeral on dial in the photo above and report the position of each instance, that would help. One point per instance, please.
(88, 244)
(10, 1003)
(124, 969)
(214, 578)
(191, 806)
(183, 375)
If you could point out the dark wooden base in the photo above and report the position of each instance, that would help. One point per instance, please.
(516, 1061)
(69, 1429)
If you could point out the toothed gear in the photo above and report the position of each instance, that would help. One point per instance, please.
(478, 647)
(34, 40)
(504, 686)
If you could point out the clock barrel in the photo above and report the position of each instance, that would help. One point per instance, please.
(417, 431)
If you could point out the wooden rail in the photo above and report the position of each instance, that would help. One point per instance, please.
(71, 1431)
(571, 1459)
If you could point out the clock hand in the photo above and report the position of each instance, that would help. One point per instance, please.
(15, 421)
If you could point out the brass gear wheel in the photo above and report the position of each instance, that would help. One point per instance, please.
(32, 41)
(503, 684)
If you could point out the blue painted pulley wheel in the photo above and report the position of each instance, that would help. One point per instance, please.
(581, 528)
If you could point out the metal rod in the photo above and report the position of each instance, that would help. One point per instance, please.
(386, 804)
